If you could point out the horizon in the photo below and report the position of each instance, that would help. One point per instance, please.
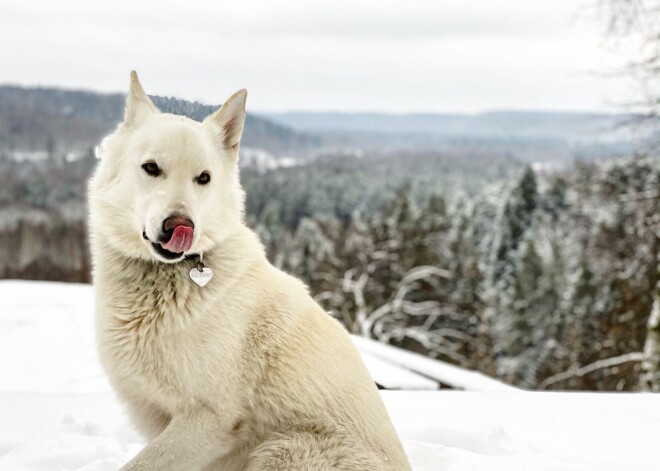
(266, 113)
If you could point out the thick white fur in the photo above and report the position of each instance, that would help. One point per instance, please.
(247, 373)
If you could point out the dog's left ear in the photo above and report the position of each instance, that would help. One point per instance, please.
(229, 120)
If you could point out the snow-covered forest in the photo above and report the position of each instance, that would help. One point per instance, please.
(533, 279)
(546, 279)
(523, 244)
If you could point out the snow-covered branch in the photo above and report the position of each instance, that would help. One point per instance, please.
(387, 322)
(590, 368)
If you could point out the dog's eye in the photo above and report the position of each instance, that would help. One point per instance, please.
(203, 178)
(151, 168)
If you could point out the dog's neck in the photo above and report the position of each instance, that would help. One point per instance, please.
(228, 260)
(139, 293)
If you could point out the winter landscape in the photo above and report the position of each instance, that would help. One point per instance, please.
(474, 195)
(483, 251)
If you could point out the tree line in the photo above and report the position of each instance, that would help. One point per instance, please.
(545, 280)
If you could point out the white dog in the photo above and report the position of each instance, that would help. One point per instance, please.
(246, 372)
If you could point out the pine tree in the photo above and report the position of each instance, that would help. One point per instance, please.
(506, 292)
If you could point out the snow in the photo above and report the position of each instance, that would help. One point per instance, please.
(263, 161)
(458, 378)
(392, 376)
(57, 411)
(29, 156)
(47, 339)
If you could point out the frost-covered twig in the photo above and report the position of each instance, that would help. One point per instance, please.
(436, 342)
(398, 304)
(356, 287)
(590, 368)
(388, 320)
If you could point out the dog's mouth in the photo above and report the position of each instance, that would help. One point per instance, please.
(172, 244)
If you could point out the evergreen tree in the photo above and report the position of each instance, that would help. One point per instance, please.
(516, 218)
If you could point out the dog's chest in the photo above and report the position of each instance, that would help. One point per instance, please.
(172, 345)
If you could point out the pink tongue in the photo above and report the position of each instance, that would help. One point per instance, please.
(181, 241)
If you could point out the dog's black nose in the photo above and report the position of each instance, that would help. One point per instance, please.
(176, 220)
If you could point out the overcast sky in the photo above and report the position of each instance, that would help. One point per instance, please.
(352, 55)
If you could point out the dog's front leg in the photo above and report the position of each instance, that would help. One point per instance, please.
(192, 439)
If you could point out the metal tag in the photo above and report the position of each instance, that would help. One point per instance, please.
(201, 274)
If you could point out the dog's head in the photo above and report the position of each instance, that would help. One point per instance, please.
(167, 186)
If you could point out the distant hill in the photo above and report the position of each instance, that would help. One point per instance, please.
(39, 122)
(56, 120)
(570, 127)
(556, 138)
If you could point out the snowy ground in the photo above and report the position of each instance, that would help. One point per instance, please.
(57, 411)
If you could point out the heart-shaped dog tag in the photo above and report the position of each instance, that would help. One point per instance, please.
(201, 277)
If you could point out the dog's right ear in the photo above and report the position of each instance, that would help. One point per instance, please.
(138, 104)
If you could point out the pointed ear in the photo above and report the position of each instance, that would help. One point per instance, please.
(138, 104)
(229, 120)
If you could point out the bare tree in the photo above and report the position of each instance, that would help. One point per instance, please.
(634, 25)
(646, 204)
(650, 377)
(633, 28)
(388, 321)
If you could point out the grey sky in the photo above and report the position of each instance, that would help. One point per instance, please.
(400, 56)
